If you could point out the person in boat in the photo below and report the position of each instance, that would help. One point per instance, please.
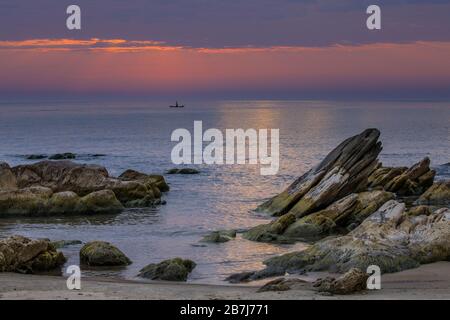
(177, 106)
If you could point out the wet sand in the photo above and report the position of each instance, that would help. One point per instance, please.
(430, 281)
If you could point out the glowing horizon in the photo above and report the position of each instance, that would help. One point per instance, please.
(154, 67)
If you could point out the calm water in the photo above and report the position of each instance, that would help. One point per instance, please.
(137, 135)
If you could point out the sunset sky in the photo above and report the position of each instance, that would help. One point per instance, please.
(233, 48)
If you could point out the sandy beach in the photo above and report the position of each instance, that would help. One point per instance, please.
(426, 282)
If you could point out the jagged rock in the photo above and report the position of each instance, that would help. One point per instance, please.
(345, 170)
(219, 236)
(410, 182)
(383, 175)
(352, 281)
(339, 217)
(62, 176)
(42, 201)
(147, 179)
(8, 180)
(62, 156)
(23, 255)
(389, 238)
(283, 284)
(183, 171)
(176, 269)
(100, 253)
(437, 194)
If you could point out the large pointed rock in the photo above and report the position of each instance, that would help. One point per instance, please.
(345, 170)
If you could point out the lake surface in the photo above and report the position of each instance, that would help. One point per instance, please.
(136, 135)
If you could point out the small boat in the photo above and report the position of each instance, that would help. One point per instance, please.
(177, 105)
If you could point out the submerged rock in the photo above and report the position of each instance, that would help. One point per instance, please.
(100, 253)
(183, 171)
(219, 236)
(437, 194)
(65, 243)
(389, 238)
(176, 269)
(62, 156)
(352, 281)
(36, 156)
(23, 255)
(345, 170)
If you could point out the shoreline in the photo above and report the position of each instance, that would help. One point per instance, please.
(430, 281)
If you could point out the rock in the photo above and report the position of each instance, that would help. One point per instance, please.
(411, 182)
(34, 201)
(389, 238)
(283, 284)
(23, 255)
(8, 180)
(65, 243)
(336, 218)
(67, 202)
(100, 253)
(419, 211)
(352, 281)
(62, 156)
(148, 179)
(219, 236)
(175, 269)
(62, 176)
(100, 202)
(271, 232)
(345, 170)
(130, 190)
(183, 171)
(27, 201)
(383, 175)
(240, 277)
(437, 194)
